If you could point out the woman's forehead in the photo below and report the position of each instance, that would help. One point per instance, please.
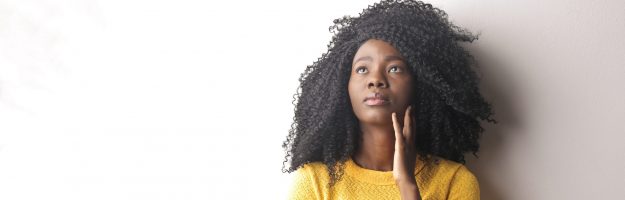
(377, 49)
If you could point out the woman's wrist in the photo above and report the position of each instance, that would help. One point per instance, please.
(409, 189)
(406, 181)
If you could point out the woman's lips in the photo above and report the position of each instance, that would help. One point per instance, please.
(376, 99)
(376, 102)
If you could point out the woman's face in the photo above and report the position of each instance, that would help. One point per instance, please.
(380, 83)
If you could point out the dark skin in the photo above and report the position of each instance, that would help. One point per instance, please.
(380, 88)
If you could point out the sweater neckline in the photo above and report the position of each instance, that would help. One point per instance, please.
(373, 176)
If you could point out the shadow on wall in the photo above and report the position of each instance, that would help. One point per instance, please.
(497, 87)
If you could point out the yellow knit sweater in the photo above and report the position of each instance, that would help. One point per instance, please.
(437, 180)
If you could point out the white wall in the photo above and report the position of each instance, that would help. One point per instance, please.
(192, 99)
(555, 71)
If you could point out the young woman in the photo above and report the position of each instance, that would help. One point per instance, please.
(389, 111)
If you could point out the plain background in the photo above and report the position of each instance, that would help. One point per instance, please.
(192, 99)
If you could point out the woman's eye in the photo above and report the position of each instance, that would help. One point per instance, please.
(361, 70)
(394, 69)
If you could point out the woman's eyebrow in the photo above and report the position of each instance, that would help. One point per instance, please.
(387, 58)
(363, 58)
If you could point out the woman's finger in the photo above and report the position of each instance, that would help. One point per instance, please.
(408, 124)
(399, 140)
(414, 128)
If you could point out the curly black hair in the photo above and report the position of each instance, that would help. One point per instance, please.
(447, 106)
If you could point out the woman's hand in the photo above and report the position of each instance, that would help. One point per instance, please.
(405, 157)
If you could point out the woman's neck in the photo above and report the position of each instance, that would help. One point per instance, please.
(377, 148)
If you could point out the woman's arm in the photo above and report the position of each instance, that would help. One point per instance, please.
(409, 191)
(405, 158)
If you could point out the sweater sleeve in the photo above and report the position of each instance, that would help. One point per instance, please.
(302, 186)
(464, 185)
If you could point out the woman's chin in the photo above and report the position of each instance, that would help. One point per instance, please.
(378, 117)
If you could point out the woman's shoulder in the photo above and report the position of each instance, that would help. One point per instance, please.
(308, 181)
(312, 167)
(454, 178)
(317, 171)
(443, 163)
(462, 183)
(452, 169)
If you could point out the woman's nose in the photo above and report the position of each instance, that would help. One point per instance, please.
(377, 82)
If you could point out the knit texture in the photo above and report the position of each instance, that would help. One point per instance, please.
(437, 179)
